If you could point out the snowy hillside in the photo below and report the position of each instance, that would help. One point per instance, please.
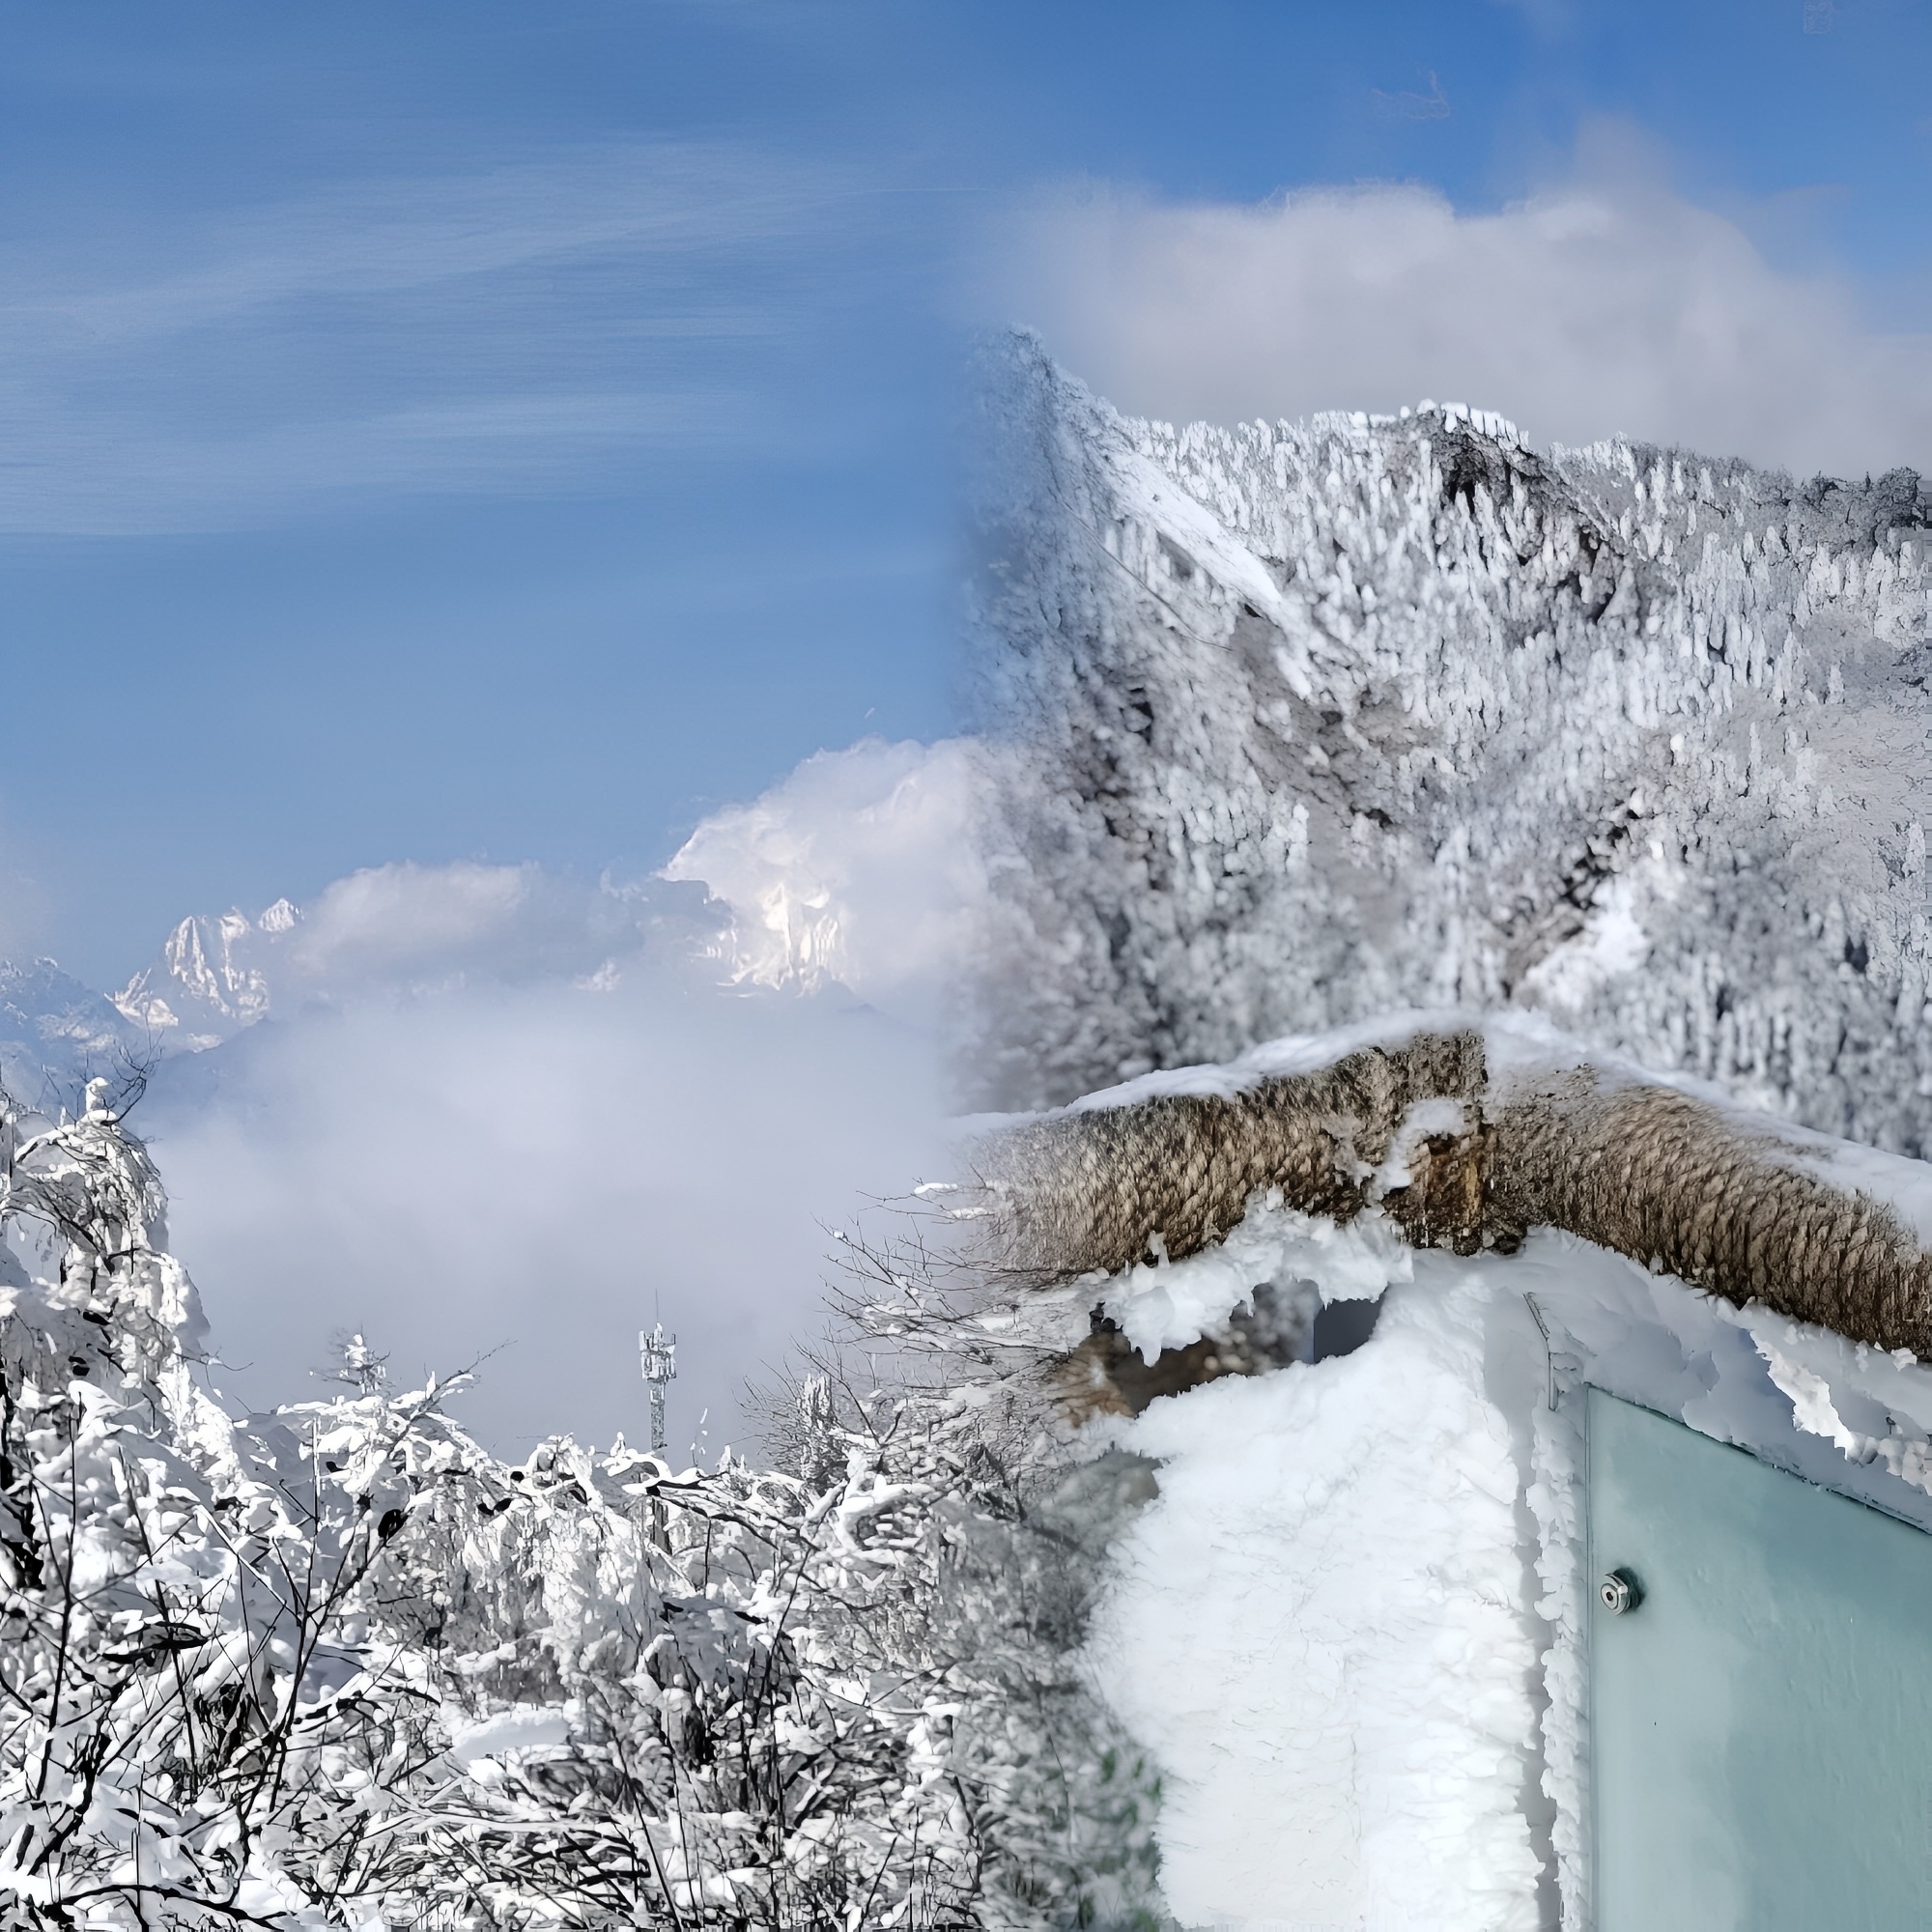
(1297, 725)
(1296, 730)
(337, 1666)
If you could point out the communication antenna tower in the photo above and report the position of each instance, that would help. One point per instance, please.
(657, 1355)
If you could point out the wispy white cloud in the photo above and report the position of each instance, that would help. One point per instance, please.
(377, 239)
(520, 328)
(1409, 105)
(122, 476)
(1607, 303)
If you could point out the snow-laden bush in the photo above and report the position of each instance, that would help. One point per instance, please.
(340, 1666)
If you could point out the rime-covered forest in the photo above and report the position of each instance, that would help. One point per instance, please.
(338, 1666)
(1299, 724)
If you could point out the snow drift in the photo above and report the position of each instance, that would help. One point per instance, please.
(1348, 1628)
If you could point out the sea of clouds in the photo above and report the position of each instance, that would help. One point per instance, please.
(503, 1117)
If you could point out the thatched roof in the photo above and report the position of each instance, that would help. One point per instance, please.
(1464, 1158)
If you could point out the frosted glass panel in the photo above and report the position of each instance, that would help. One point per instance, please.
(1761, 1723)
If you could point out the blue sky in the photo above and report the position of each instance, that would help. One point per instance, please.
(509, 431)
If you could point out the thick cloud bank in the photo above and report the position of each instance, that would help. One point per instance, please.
(539, 1171)
(483, 1108)
(1603, 305)
(399, 928)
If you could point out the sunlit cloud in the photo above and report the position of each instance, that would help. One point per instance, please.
(862, 868)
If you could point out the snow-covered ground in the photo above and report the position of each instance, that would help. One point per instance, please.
(1349, 1630)
(1319, 1630)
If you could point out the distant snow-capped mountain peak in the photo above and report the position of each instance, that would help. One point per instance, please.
(211, 979)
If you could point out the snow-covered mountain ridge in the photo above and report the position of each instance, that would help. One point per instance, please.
(1295, 725)
(210, 980)
(387, 931)
(213, 978)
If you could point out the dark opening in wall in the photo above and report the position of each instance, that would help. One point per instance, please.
(1342, 1328)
